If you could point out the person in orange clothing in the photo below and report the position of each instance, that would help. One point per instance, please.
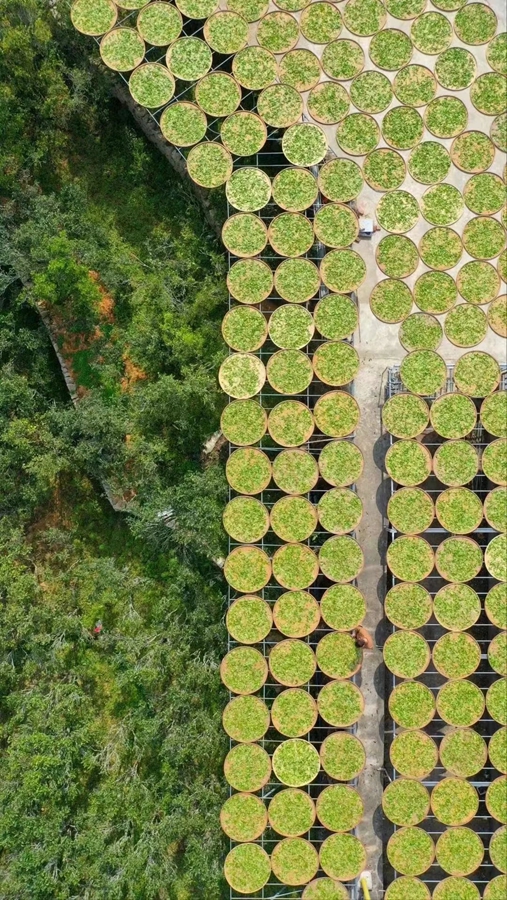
(363, 638)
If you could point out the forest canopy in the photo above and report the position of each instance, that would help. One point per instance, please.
(111, 745)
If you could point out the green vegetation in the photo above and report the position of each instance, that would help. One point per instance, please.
(218, 94)
(453, 415)
(459, 851)
(296, 762)
(364, 17)
(410, 851)
(209, 165)
(247, 868)
(340, 463)
(423, 372)
(278, 32)
(242, 375)
(246, 520)
(456, 655)
(244, 235)
(391, 300)
(292, 663)
(405, 416)
(189, 58)
(291, 327)
(435, 292)
(407, 655)
(226, 32)
(294, 713)
(339, 808)
(457, 607)
(495, 509)
(291, 812)
(183, 124)
(151, 85)
(342, 59)
(290, 234)
(254, 68)
(295, 471)
(249, 620)
(397, 211)
(441, 248)
(402, 127)
(405, 9)
(243, 133)
(429, 162)
(93, 18)
(496, 888)
(290, 423)
(371, 92)
(496, 605)
(494, 414)
(357, 134)
(243, 422)
(336, 363)
(442, 204)
(454, 801)
(296, 614)
(338, 657)
(159, 24)
(455, 69)
(336, 225)
(384, 170)
(483, 238)
(431, 33)
(458, 559)
(340, 510)
(408, 605)
(289, 371)
(417, 890)
(488, 94)
(295, 566)
(336, 414)
(246, 718)
(497, 316)
(325, 888)
(341, 559)
(297, 280)
(459, 510)
(497, 653)
(472, 152)
(460, 703)
(122, 49)
(340, 180)
(244, 329)
(497, 749)
(397, 256)
(342, 856)
(498, 849)
(248, 189)
(475, 24)
(484, 194)
(243, 817)
(343, 607)
(406, 802)
(342, 756)
(476, 374)
(408, 462)
(336, 317)
(390, 49)
(251, 10)
(495, 557)
(478, 282)
(463, 752)
(244, 670)
(304, 144)
(414, 754)
(300, 69)
(411, 704)
(498, 132)
(250, 281)
(340, 703)
(495, 53)
(341, 271)
(294, 189)
(446, 117)
(410, 510)
(197, 9)
(320, 23)
(247, 569)
(420, 331)
(293, 518)
(414, 85)
(410, 558)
